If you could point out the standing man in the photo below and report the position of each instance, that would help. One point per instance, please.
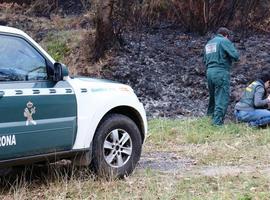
(219, 53)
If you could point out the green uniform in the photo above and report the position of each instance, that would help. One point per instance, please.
(219, 53)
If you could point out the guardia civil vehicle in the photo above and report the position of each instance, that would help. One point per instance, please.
(46, 115)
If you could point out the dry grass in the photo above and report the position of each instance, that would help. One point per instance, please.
(231, 162)
(232, 144)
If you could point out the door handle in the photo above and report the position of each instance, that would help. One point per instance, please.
(2, 93)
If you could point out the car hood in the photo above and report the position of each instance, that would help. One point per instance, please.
(95, 80)
(98, 84)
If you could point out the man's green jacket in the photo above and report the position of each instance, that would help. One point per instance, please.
(219, 53)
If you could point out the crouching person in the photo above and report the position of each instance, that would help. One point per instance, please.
(252, 107)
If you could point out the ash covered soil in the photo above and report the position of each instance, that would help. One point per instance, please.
(164, 66)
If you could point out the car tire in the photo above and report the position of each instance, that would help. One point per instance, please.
(117, 146)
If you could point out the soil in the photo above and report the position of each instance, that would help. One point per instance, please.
(171, 163)
(159, 162)
(165, 162)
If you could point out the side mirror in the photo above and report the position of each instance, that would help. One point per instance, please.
(60, 71)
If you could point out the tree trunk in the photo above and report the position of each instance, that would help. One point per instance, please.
(105, 36)
(206, 14)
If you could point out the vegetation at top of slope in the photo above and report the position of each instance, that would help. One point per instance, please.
(203, 15)
(112, 17)
(44, 8)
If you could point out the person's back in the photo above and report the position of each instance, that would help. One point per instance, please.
(219, 53)
(254, 97)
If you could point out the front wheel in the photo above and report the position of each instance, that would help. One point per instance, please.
(117, 146)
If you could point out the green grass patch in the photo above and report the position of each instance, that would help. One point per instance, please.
(199, 131)
(231, 144)
(58, 49)
(57, 46)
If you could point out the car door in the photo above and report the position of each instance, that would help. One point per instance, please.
(37, 115)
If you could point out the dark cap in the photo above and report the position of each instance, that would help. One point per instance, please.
(264, 74)
(223, 31)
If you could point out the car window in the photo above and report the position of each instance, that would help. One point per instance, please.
(19, 61)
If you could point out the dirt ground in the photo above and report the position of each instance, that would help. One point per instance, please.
(169, 163)
(174, 164)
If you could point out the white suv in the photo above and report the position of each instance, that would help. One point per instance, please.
(47, 115)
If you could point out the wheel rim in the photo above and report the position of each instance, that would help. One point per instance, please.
(117, 148)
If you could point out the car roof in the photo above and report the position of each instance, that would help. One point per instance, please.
(10, 30)
(7, 29)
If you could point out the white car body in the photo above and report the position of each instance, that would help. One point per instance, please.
(107, 97)
(95, 100)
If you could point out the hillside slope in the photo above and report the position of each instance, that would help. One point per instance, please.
(163, 64)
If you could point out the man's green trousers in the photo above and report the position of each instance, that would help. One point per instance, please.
(219, 91)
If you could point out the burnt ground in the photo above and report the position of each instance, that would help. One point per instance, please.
(164, 66)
